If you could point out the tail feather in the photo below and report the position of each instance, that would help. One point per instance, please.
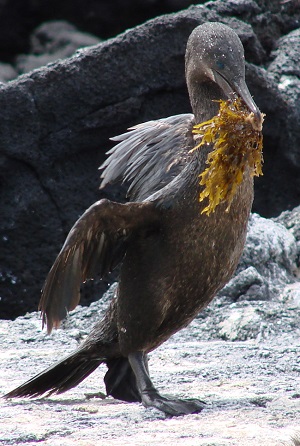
(120, 380)
(58, 378)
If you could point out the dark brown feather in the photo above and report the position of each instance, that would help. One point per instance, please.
(150, 156)
(90, 250)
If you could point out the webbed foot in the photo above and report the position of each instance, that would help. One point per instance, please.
(170, 406)
(150, 396)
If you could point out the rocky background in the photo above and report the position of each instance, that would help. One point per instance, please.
(67, 85)
(56, 120)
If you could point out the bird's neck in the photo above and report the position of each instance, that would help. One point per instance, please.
(204, 98)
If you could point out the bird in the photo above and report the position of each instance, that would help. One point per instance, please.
(173, 258)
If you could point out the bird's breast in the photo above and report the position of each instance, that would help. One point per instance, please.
(170, 275)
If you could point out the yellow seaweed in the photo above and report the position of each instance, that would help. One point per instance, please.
(237, 140)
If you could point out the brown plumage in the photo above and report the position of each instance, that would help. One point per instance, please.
(174, 259)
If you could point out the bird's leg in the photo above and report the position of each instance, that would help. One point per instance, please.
(150, 396)
(146, 362)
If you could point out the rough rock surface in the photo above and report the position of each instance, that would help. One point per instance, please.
(271, 253)
(56, 121)
(251, 389)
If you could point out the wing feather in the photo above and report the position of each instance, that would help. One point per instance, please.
(94, 245)
(150, 155)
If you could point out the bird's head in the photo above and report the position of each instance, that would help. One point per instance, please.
(215, 61)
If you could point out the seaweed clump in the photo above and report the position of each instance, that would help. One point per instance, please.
(237, 140)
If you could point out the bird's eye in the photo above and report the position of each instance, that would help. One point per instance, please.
(220, 64)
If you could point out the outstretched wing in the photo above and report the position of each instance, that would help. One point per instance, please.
(90, 250)
(150, 155)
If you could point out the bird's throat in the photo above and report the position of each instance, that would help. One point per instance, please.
(204, 98)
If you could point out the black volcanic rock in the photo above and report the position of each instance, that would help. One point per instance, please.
(285, 69)
(56, 121)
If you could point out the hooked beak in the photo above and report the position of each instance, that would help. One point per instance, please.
(240, 88)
